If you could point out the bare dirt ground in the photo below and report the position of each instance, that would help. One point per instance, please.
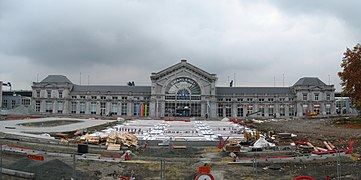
(183, 164)
(339, 131)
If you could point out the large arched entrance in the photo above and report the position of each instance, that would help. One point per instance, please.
(183, 98)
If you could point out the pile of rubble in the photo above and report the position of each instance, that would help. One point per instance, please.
(123, 139)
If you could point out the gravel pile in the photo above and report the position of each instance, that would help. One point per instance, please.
(44, 170)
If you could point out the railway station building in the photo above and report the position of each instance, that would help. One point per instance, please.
(183, 90)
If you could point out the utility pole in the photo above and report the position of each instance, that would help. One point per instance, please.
(234, 79)
(74, 167)
(1, 162)
(338, 165)
(162, 169)
(274, 81)
(255, 167)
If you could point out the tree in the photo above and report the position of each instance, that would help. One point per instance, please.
(351, 75)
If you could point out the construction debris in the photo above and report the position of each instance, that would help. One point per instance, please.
(124, 139)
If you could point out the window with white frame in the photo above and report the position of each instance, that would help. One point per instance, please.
(60, 106)
(49, 106)
(316, 96)
(271, 110)
(93, 107)
(115, 108)
(124, 109)
(73, 107)
(37, 106)
(82, 107)
(48, 93)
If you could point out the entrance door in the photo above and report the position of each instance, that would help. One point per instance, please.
(183, 112)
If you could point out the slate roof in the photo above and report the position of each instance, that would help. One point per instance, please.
(102, 88)
(253, 90)
(181, 64)
(309, 81)
(56, 79)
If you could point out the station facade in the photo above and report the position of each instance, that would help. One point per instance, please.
(183, 90)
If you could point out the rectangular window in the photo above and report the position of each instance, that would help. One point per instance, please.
(240, 111)
(291, 110)
(228, 111)
(5, 103)
(38, 93)
(114, 108)
(316, 96)
(49, 106)
(25, 102)
(328, 108)
(60, 94)
(82, 108)
(220, 111)
(136, 110)
(73, 107)
(60, 107)
(282, 110)
(304, 97)
(124, 109)
(13, 103)
(328, 97)
(102, 108)
(271, 111)
(49, 93)
(261, 109)
(37, 106)
(249, 110)
(304, 109)
(93, 108)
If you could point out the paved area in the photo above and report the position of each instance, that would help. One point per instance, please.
(181, 130)
(13, 127)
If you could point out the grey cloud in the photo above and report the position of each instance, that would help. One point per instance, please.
(255, 38)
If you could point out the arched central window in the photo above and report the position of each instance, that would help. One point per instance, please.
(183, 85)
(183, 94)
(183, 97)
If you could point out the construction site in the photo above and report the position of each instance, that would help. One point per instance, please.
(65, 148)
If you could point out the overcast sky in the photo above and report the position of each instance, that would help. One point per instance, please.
(115, 41)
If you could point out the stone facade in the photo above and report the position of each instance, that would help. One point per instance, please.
(183, 90)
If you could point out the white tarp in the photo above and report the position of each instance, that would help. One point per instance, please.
(262, 143)
(225, 119)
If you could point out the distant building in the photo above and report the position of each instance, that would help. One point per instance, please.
(187, 91)
(344, 105)
(12, 99)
